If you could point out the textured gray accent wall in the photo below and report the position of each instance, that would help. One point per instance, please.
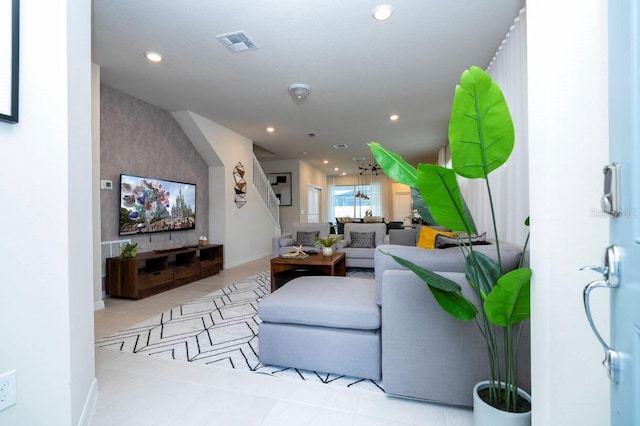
(140, 139)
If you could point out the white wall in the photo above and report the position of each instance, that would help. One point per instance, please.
(245, 232)
(95, 182)
(46, 308)
(567, 149)
(289, 214)
(310, 175)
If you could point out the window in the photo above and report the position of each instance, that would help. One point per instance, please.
(347, 205)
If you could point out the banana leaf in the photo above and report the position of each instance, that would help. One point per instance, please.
(393, 165)
(510, 300)
(482, 272)
(421, 206)
(439, 189)
(481, 132)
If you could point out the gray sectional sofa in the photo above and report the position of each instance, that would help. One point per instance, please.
(285, 243)
(355, 256)
(389, 328)
(361, 256)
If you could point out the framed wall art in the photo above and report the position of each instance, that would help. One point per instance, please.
(281, 185)
(9, 59)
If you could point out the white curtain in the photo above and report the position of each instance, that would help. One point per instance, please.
(331, 199)
(376, 197)
(510, 183)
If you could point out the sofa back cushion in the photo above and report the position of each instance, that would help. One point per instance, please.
(438, 260)
(380, 230)
(306, 238)
(403, 237)
(363, 239)
(321, 228)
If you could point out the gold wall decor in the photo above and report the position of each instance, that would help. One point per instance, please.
(241, 185)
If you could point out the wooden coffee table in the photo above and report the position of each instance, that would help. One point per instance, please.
(334, 265)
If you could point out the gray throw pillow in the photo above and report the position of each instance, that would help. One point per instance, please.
(442, 241)
(286, 242)
(363, 239)
(306, 238)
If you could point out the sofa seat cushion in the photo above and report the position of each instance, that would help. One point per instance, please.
(338, 302)
(358, 253)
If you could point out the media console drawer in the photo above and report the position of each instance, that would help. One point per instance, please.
(153, 272)
(150, 279)
(184, 274)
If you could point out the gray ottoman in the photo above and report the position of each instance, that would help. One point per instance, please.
(325, 324)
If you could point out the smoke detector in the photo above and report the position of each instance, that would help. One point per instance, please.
(299, 91)
(237, 41)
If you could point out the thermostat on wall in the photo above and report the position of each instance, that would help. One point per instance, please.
(106, 184)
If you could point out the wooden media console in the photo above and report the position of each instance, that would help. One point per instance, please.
(157, 271)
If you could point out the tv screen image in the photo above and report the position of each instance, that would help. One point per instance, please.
(155, 205)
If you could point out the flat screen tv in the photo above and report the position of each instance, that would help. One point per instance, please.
(155, 205)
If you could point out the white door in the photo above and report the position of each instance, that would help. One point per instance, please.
(622, 183)
(313, 204)
(401, 201)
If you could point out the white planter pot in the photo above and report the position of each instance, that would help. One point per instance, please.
(327, 251)
(486, 415)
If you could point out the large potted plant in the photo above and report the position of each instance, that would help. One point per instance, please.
(481, 138)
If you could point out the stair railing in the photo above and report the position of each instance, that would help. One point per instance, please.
(268, 197)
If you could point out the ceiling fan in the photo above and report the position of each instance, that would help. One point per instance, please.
(373, 168)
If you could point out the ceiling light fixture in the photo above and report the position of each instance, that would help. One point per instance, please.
(326, 161)
(153, 56)
(394, 117)
(270, 129)
(299, 91)
(382, 12)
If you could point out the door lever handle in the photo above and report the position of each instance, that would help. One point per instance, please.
(610, 270)
(596, 268)
(611, 357)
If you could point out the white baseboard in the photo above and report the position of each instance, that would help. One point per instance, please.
(98, 305)
(89, 404)
(238, 262)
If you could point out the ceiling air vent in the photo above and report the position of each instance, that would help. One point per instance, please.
(311, 134)
(340, 146)
(237, 41)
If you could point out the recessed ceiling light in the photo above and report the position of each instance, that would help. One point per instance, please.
(153, 56)
(326, 161)
(270, 129)
(336, 169)
(394, 117)
(343, 173)
(383, 12)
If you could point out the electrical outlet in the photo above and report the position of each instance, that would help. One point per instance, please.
(7, 389)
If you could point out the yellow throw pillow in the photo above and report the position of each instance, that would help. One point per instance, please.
(427, 238)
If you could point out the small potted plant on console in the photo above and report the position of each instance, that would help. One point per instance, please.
(129, 250)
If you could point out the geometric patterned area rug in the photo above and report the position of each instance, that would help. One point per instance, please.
(221, 329)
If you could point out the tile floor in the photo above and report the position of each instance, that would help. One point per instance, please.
(135, 390)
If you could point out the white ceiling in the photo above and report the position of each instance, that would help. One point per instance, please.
(360, 70)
